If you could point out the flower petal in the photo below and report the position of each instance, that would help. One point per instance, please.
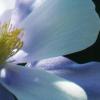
(6, 16)
(18, 57)
(22, 10)
(5, 94)
(6, 5)
(86, 75)
(27, 83)
(60, 27)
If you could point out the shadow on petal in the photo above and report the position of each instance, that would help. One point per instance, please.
(37, 84)
(5, 94)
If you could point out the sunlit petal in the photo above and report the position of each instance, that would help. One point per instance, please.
(6, 5)
(37, 84)
(59, 27)
(6, 16)
(18, 57)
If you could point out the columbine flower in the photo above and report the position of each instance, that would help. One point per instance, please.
(53, 28)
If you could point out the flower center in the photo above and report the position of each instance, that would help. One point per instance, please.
(10, 43)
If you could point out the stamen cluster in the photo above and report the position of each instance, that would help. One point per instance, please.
(10, 43)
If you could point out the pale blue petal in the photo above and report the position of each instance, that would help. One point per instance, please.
(5, 94)
(86, 75)
(6, 16)
(59, 27)
(22, 9)
(29, 84)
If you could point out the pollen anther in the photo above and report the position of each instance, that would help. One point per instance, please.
(10, 43)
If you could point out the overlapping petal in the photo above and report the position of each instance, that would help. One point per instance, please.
(86, 75)
(54, 28)
(37, 84)
(60, 27)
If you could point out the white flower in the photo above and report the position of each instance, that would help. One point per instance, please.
(53, 28)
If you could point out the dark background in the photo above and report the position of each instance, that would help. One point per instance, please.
(92, 53)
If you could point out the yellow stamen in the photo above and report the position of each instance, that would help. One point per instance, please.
(10, 43)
